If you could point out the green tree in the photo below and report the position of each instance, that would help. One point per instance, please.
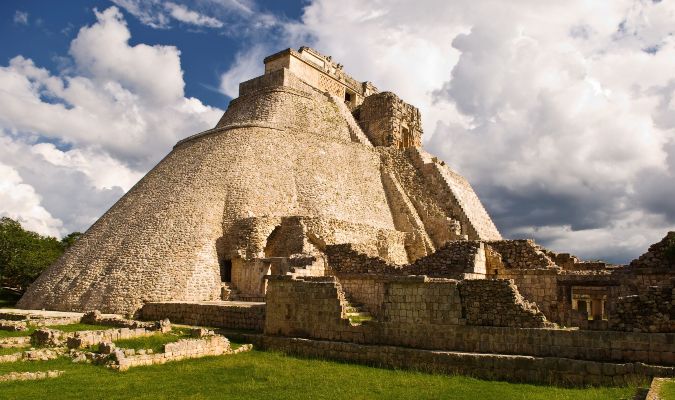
(70, 239)
(24, 254)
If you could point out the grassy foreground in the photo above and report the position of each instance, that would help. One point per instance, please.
(668, 390)
(268, 375)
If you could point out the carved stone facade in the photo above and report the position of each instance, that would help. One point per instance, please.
(389, 121)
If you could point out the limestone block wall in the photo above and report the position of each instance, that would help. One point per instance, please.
(498, 303)
(280, 77)
(437, 217)
(176, 351)
(539, 286)
(240, 316)
(659, 255)
(455, 192)
(651, 311)
(543, 370)
(455, 259)
(521, 254)
(315, 310)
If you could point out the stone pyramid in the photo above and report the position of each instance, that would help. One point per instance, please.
(305, 157)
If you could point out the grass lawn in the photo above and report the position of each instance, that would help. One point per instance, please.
(80, 327)
(155, 342)
(11, 350)
(668, 390)
(268, 375)
(63, 328)
(4, 334)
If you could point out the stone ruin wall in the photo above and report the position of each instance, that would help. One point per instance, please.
(241, 316)
(314, 310)
(457, 259)
(454, 191)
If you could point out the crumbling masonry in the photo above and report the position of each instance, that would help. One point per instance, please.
(314, 207)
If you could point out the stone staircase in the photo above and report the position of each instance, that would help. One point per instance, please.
(228, 292)
(356, 312)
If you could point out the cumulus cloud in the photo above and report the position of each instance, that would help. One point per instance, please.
(246, 65)
(82, 138)
(21, 202)
(561, 115)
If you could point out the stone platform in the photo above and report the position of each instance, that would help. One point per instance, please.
(559, 371)
(218, 314)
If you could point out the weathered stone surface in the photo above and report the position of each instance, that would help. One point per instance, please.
(286, 151)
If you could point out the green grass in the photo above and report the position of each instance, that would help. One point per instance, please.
(267, 375)
(668, 390)
(27, 332)
(80, 327)
(155, 342)
(11, 350)
(63, 328)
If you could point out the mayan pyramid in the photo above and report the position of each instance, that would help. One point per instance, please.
(305, 157)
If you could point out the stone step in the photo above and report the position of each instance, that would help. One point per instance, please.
(358, 314)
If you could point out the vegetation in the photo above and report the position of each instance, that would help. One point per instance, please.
(11, 350)
(25, 254)
(155, 342)
(8, 298)
(266, 375)
(79, 327)
(668, 390)
(28, 332)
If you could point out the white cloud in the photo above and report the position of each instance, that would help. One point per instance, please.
(20, 202)
(246, 65)
(559, 114)
(21, 18)
(81, 138)
(183, 14)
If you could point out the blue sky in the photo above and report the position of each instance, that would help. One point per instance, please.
(562, 116)
(52, 25)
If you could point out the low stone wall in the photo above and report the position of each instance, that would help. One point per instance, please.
(90, 338)
(30, 376)
(14, 342)
(32, 355)
(180, 350)
(13, 326)
(230, 315)
(428, 317)
(96, 318)
(544, 370)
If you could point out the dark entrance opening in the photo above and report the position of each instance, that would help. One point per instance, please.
(226, 270)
